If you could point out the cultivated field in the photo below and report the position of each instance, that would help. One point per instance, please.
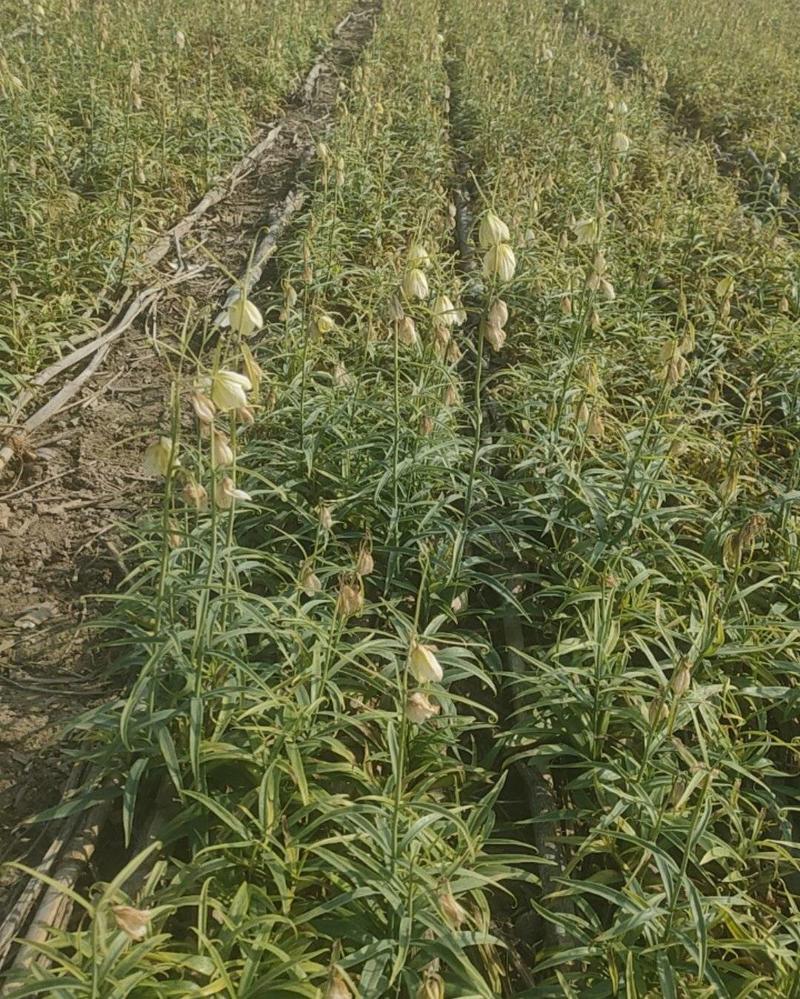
(453, 651)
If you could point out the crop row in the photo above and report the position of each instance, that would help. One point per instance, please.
(113, 117)
(647, 402)
(306, 709)
(732, 71)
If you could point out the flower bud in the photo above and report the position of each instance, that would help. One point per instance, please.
(226, 492)
(657, 711)
(432, 987)
(350, 600)
(244, 317)
(221, 451)
(337, 987)
(418, 257)
(595, 426)
(309, 581)
(158, 457)
(325, 517)
(451, 396)
(424, 665)
(420, 708)
(195, 495)
(681, 678)
(204, 408)
(730, 486)
(174, 536)
(134, 922)
(229, 390)
(252, 368)
(607, 290)
(365, 564)
(495, 337)
(453, 353)
(180, 40)
(425, 425)
(415, 284)
(500, 262)
(245, 416)
(407, 332)
(341, 376)
(492, 231)
(453, 912)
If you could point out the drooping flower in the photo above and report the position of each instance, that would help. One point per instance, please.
(244, 317)
(226, 492)
(341, 376)
(495, 337)
(221, 451)
(423, 664)
(498, 313)
(229, 390)
(324, 324)
(586, 231)
(309, 581)
(444, 311)
(132, 921)
(204, 408)
(365, 563)
(451, 396)
(158, 456)
(252, 368)
(350, 600)
(621, 143)
(415, 284)
(499, 262)
(607, 290)
(419, 707)
(492, 231)
(595, 427)
(453, 353)
(195, 495)
(407, 332)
